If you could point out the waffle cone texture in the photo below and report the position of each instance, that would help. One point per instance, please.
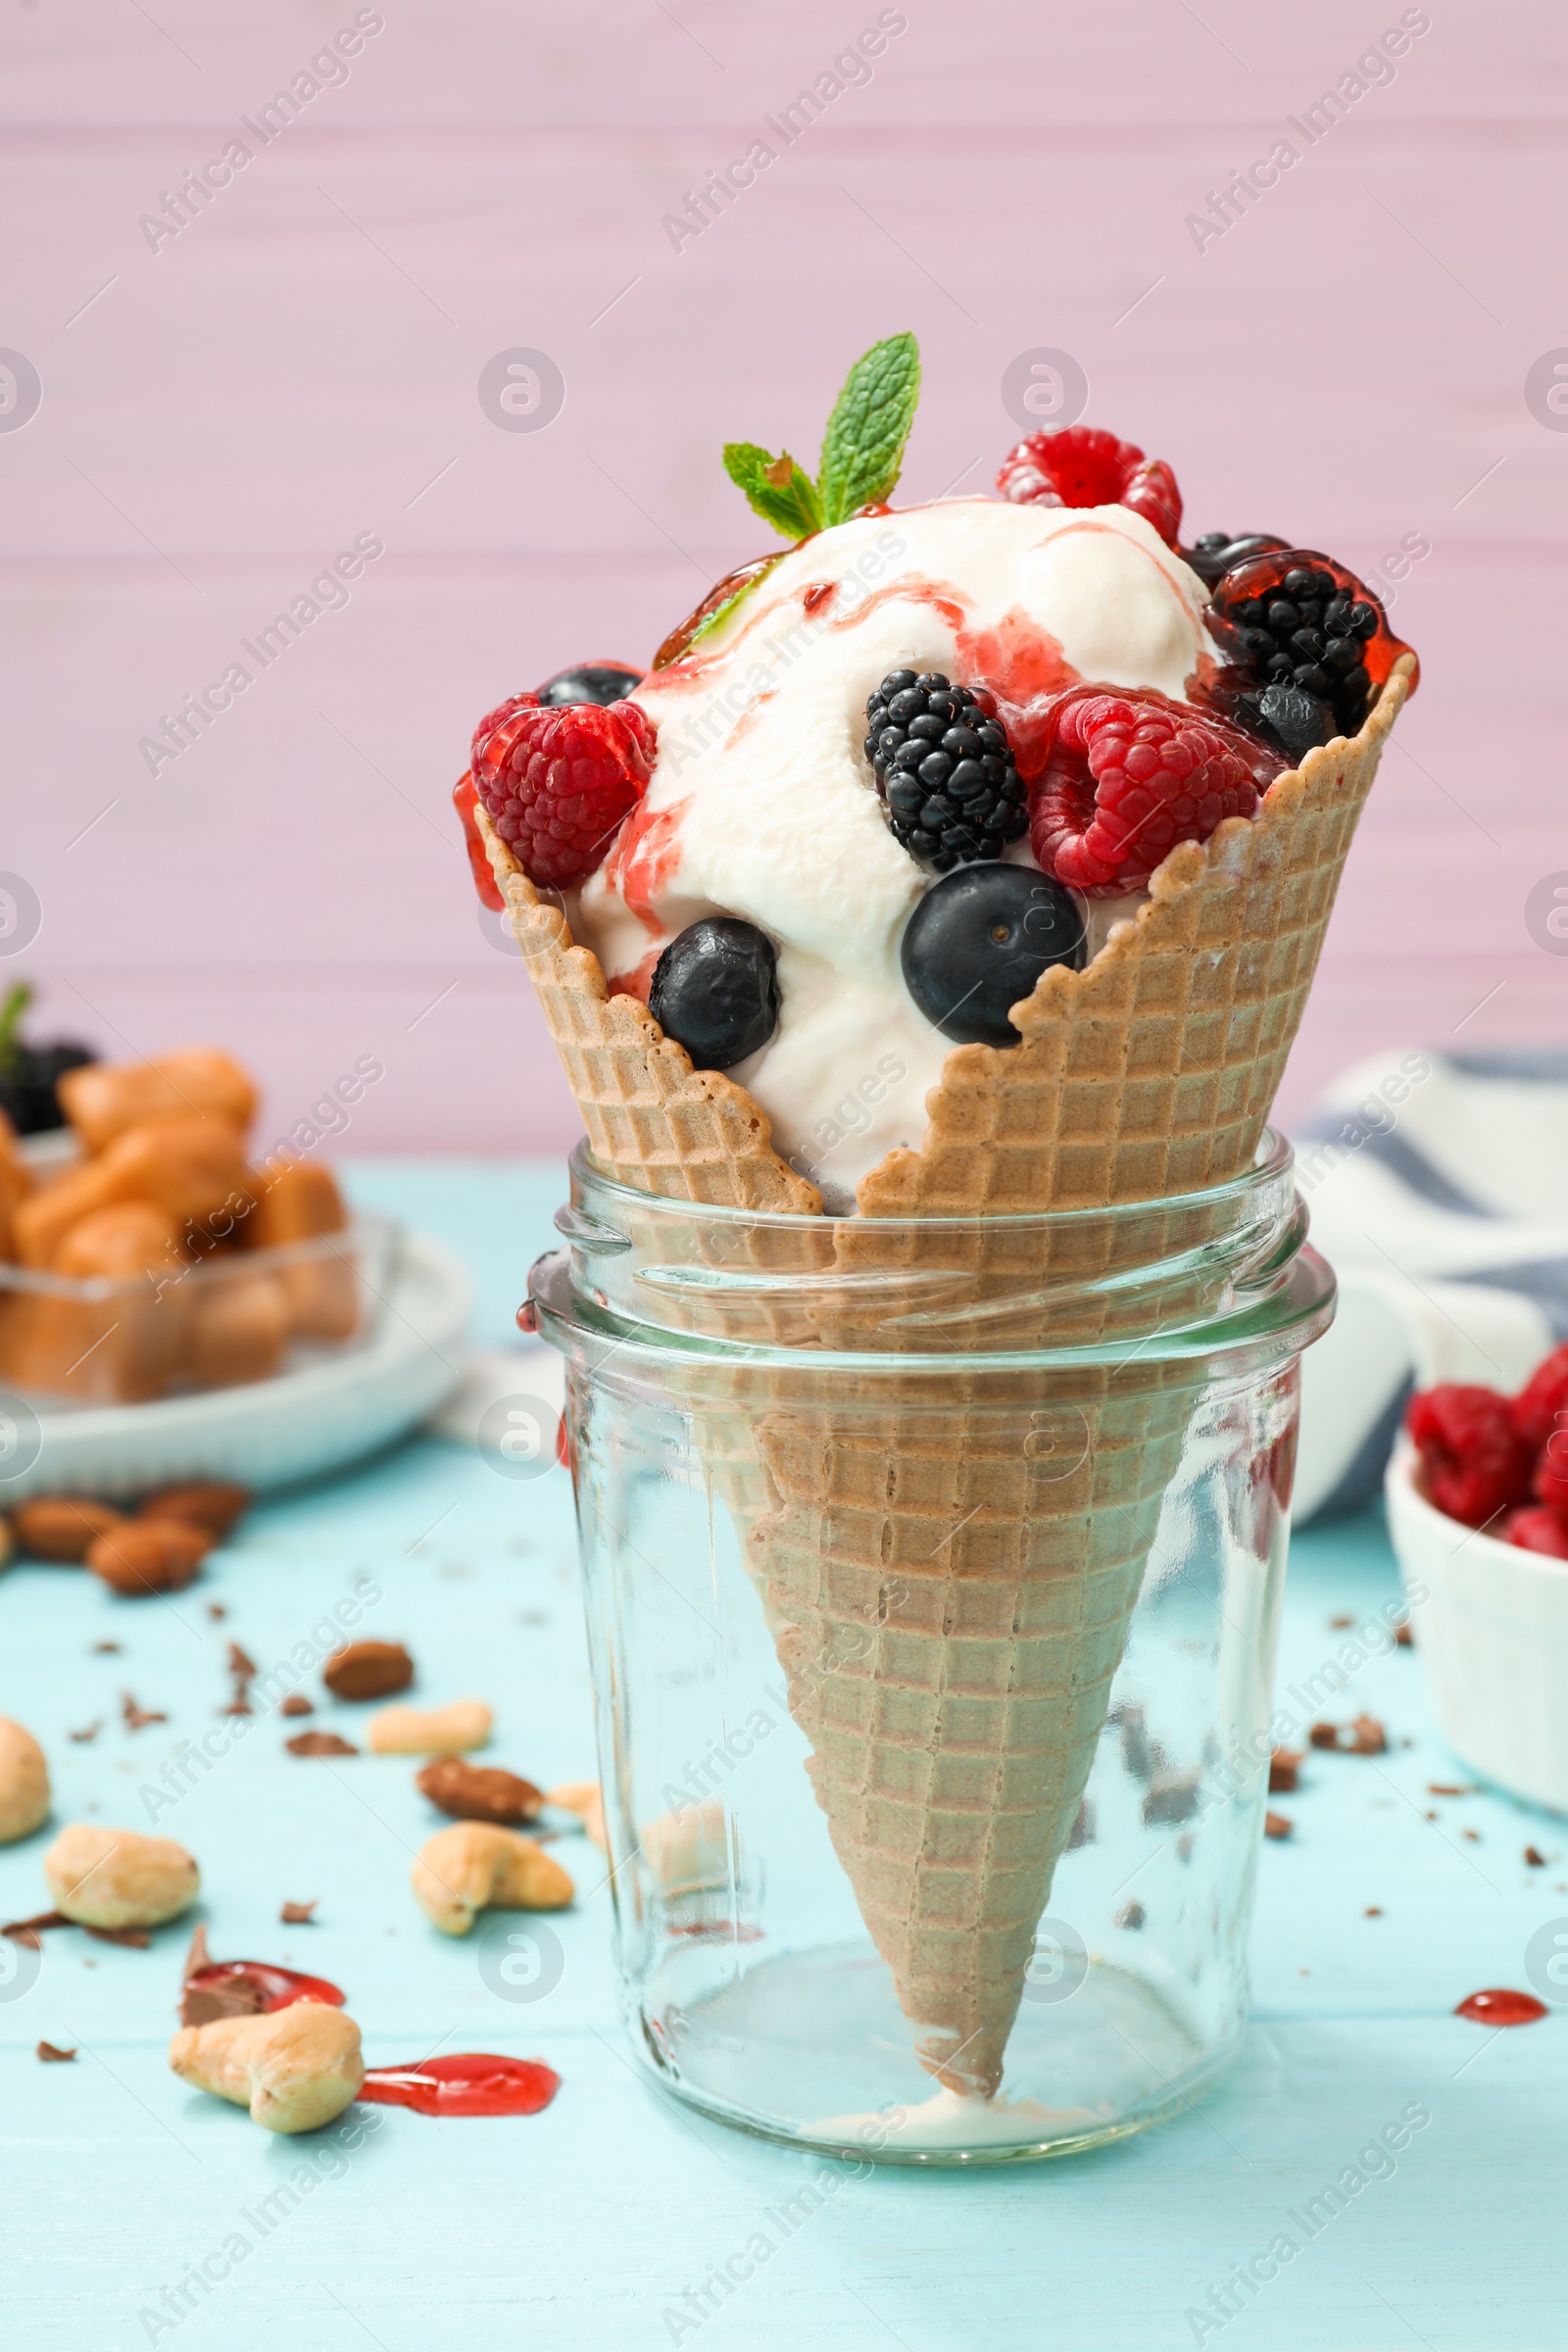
(950, 1591)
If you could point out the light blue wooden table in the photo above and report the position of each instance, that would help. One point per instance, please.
(585, 2226)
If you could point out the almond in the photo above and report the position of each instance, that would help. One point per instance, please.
(202, 1502)
(369, 1670)
(62, 1527)
(479, 1793)
(149, 1555)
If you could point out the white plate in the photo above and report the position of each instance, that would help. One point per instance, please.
(275, 1430)
(1491, 1627)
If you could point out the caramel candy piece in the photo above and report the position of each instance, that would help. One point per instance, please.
(122, 1348)
(192, 1168)
(196, 1082)
(134, 1237)
(238, 1329)
(298, 1200)
(16, 1183)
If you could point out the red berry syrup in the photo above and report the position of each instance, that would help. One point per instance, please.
(466, 798)
(473, 2083)
(1500, 2006)
(263, 1986)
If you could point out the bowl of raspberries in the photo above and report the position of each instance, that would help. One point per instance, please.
(1478, 1515)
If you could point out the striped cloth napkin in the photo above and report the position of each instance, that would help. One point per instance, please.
(1438, 1189)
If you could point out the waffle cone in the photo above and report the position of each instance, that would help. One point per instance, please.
(950, 1592)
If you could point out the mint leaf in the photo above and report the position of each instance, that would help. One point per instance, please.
(863, 449)
(777, 487)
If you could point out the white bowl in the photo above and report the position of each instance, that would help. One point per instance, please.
(1490, 1624)
(297, 1425)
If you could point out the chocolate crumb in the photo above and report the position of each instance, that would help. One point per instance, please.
(138, 1938)
(297, 1704)
(91, 1732)
(54, 2057)
(215, 1608)
(102, 1650)
(26, 1930)
(1450, 1787)
(1429, 1817)
(1473, 1835)
(1373, 1911)
(239, 1662)
(1284, 1765)
(1404, 1638)
(1276, 1825)
(319, 1744)
(1131, 1915)
(1364, 1736)
(1338, 1624)
(299, 1914)
(137, 1718)
(1171, 1798)
(1535, 1857)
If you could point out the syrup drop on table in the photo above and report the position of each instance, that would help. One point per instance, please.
(1500, 2006)
(473, 2083)
(274, 1987)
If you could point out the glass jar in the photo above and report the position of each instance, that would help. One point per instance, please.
(932, 1572)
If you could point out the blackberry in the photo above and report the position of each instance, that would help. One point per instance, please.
(945, 772)
(1306, 631)
(1217, 553)
(1288, 718)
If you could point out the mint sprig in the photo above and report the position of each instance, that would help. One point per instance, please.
(779, 490)
(863, 449)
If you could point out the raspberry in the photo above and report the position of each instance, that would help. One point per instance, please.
(1474, 1461)
(1537, 1530)
(1127, 777)
(557, 782)
(1082, 466)
(1551, 1470)
(1542, 1397)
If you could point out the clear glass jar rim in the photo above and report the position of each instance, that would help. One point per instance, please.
(1271, 1165)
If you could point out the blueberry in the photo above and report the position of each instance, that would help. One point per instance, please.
(716, 990)
(978, 943)
(590, 682)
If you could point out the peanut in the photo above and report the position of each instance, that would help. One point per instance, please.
(24, 1782)
(295, 2069)
(434, 1731)
(118, 1879)
(473, 1793)
(149, 1555)
(586, 1799)
(203, 1503)
(369, 1670)
(62, 1527)
(475, 1867)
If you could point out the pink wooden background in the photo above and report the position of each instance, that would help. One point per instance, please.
(222, 416)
